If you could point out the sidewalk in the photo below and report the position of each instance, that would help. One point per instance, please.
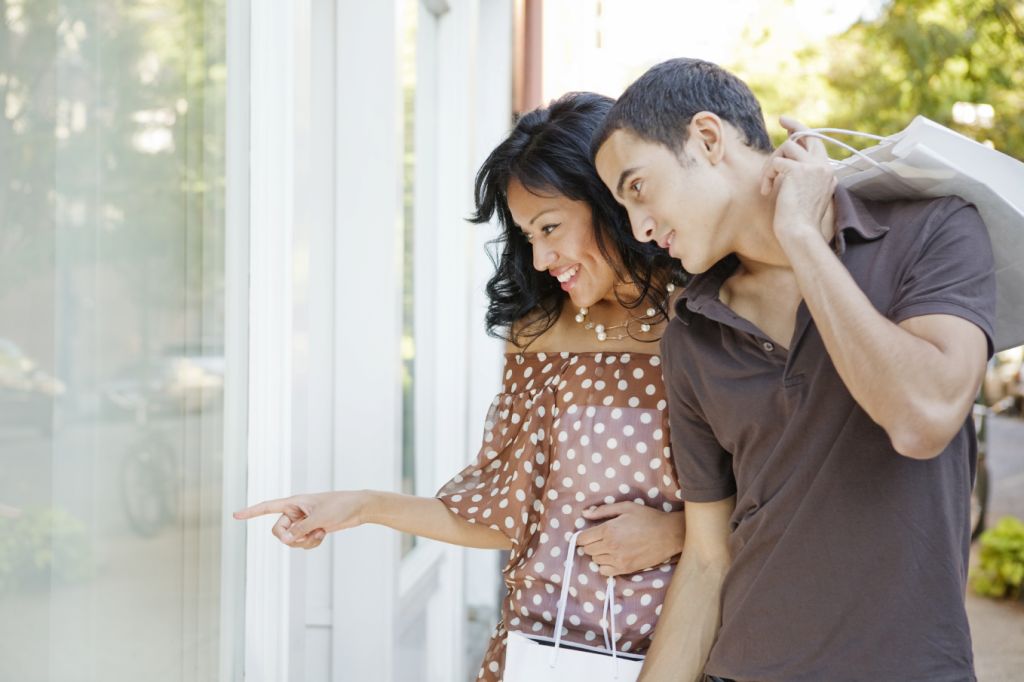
(998, 627)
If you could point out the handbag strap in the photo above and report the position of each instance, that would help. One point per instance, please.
(607, 613)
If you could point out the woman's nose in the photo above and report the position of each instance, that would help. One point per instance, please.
(543, 257)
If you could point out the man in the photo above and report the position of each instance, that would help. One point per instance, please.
(821, 370)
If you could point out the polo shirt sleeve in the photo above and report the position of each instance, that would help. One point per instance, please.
(951, 271)
(704, 468)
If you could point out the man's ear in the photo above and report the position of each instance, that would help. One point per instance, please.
(707, 136)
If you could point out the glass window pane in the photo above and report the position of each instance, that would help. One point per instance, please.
(408, 66)
(111, 339)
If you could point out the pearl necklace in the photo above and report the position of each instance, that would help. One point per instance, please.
(602, 330)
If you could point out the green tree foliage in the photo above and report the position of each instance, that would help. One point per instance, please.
(915, 57)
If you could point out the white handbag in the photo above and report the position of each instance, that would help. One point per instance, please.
(927, 160)
(532, 658)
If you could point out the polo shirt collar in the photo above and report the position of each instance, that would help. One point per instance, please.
(852, 217)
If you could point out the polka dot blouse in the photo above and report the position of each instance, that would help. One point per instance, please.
(569, 431)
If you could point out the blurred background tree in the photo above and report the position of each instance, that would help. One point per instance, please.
(913, 57)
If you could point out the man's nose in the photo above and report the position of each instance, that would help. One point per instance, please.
(643, 226)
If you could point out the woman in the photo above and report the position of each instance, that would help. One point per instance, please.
(579, 432)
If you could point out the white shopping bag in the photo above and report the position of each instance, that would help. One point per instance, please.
(531, 658)
(929, 160)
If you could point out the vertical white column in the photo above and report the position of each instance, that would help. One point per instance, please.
(273, 99)
(236, 339)
(367, 370)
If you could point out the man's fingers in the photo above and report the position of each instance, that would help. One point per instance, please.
(812, 144)
(606, 511)
(589, 536)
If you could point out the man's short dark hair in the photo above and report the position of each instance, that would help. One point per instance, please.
(659, 105)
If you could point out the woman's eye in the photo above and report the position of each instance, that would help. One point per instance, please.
(548, 229)
(636, 186)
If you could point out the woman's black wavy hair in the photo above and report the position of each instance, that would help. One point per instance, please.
(549, 151)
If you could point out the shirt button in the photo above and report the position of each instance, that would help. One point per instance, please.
(768, 346)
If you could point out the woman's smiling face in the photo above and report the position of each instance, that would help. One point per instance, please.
(561, 234)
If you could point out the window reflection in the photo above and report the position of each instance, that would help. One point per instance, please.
(111, 339)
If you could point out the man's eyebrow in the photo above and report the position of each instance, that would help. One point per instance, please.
(546, 210)
(622, 179)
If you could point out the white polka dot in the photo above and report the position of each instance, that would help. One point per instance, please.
(631, 619)
(657, 434)
(612, 443)
(586, 383)
(562, 436)
(493, 666)
(567, 509)
(567, 397)
(634, 401)
(625, 460)
(638, 477)
(587, 606)
(539, 481)
(609, 472)
(645, 417)
(589, 635)
(641, 447)
(591, 411)
(624, 489)
(552, 494)
(574, 619)
(616, 413)
(645, 600)
(645, 628)
(652, 493)
(509, 523)
(596, 458)
(584, 439)
(638, 373)
(599, 428)
(567, 482)
(628, 430)
(655, 361)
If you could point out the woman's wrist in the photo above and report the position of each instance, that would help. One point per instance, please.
(372, 507)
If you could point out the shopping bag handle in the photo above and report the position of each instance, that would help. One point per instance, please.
(819, 133)
(607, 614)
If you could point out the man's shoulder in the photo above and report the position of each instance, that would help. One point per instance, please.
(928, 215)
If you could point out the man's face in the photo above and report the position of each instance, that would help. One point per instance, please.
(677, 202)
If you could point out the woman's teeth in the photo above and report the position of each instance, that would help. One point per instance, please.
(568, 274)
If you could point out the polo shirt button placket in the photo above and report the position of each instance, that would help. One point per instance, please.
(768, 346)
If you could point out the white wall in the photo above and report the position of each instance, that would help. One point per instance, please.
(354, 609)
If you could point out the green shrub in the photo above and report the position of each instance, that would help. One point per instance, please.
(1000, 573)
(43, 547)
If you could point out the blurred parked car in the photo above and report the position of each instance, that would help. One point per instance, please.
(181, 381)
(1003, 389)
(27, 393)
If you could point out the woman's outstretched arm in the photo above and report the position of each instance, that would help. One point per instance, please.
(306, 519)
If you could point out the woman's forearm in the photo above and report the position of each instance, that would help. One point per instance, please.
(428, 517)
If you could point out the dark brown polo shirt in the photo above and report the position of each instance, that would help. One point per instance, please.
(849, 560)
